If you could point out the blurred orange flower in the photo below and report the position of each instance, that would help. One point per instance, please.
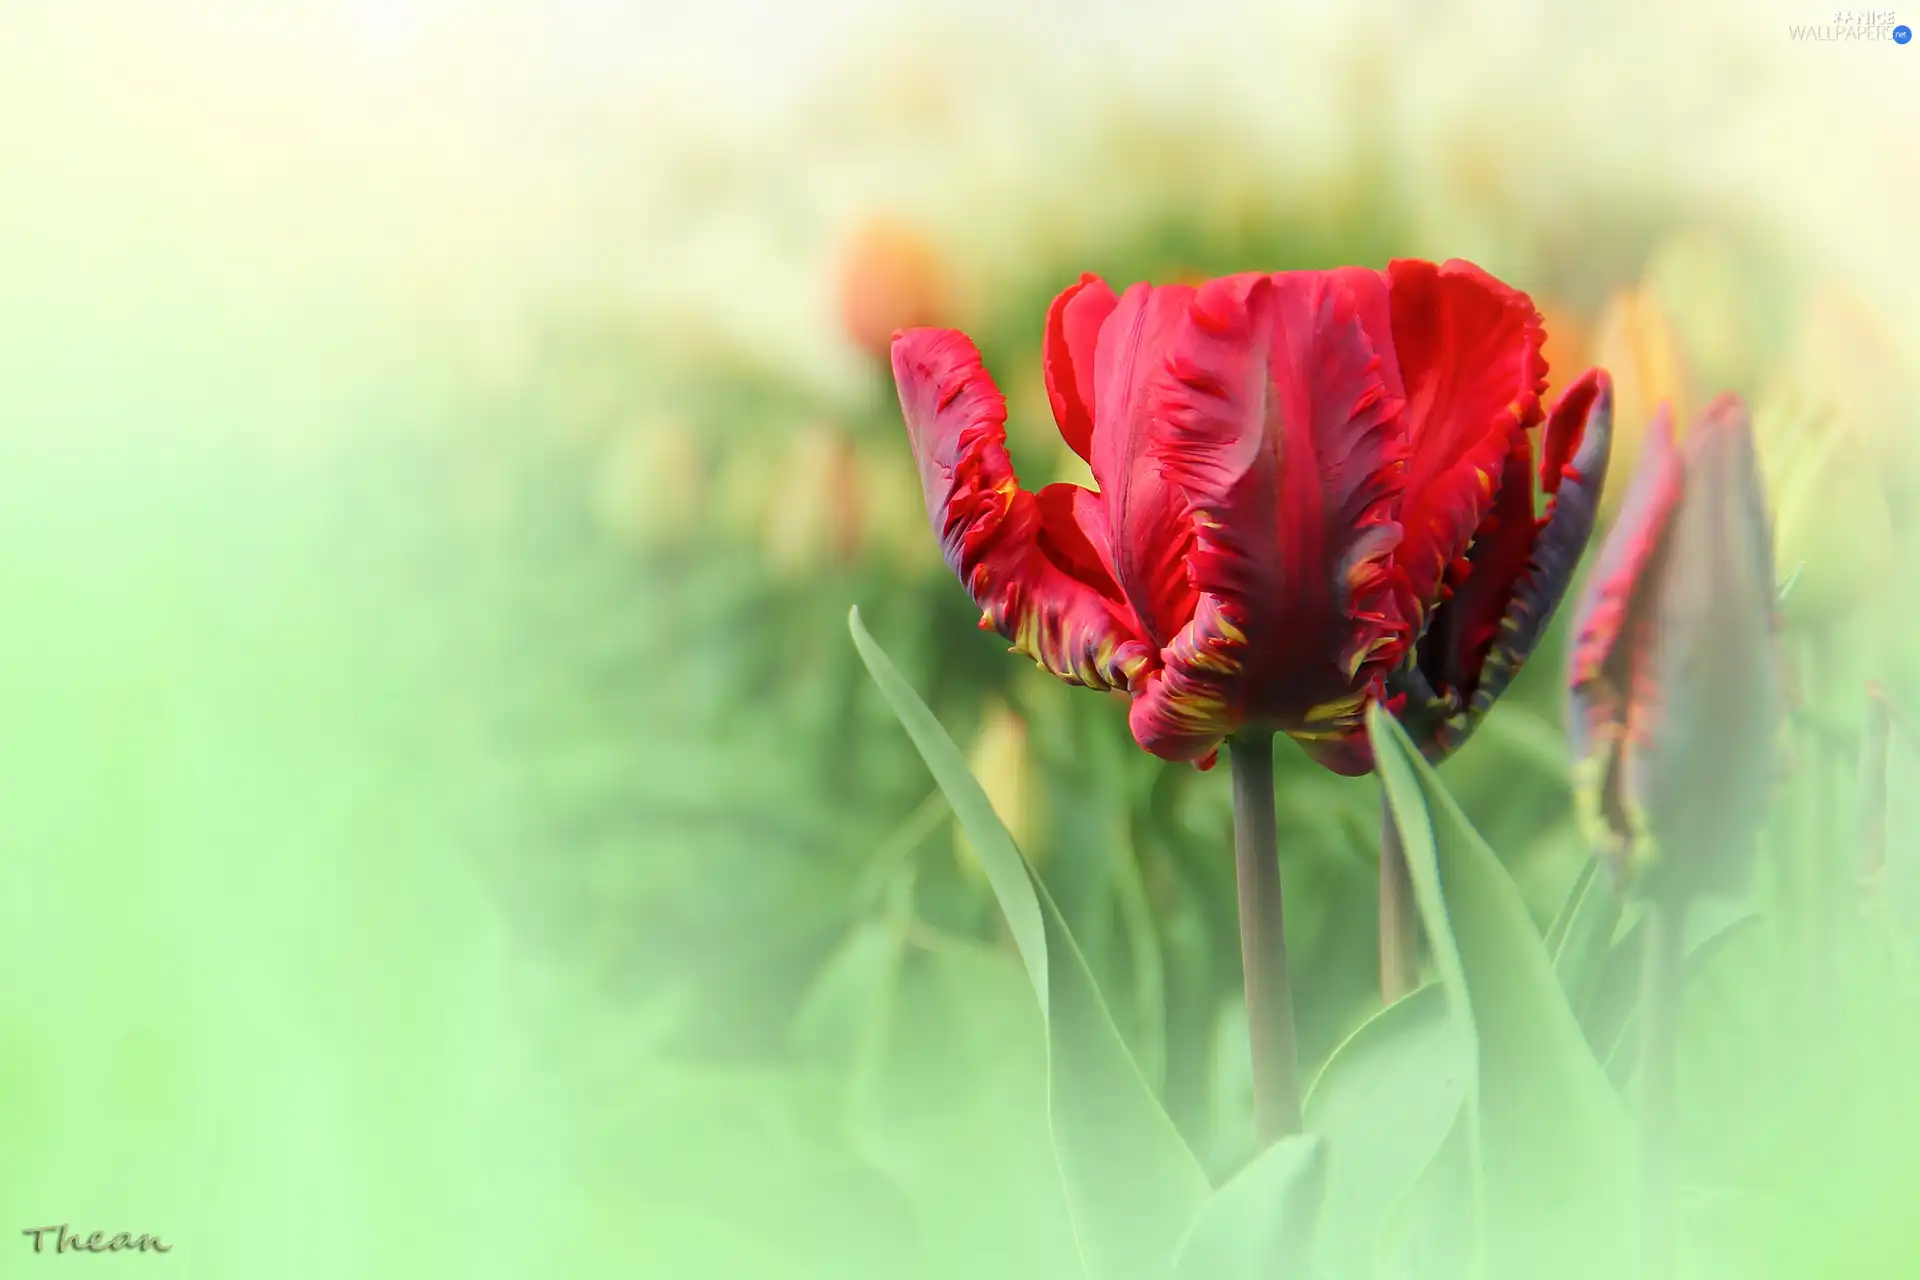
(892, 276)
(1566, 347)
(1635, 340)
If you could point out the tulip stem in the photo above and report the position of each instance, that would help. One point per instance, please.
(1661, 977)
(1263, 941)
(1399, 920)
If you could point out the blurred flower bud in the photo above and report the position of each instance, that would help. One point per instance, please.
(1831, 435)
(897, 512)
(1709, 297)
(1002, 763)
(819, 516)
(1834, 530)
(747, 487)
(1634, 340)
(1675, 674)
(1843, 349)
(650, 488)
(891, 277)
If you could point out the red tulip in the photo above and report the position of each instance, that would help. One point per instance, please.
(1293, 470)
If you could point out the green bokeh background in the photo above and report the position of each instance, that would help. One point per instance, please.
(444, 829)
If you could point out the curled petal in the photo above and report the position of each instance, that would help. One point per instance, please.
(1073, 335)
(1282, 437)
(1034, 563)
(1468, 348)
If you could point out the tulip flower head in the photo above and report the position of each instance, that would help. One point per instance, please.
(1300, 475)
(1676, 680)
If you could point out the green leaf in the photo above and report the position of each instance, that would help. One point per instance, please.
(1262, 1223)
(1385, 1103)
(1785, 589)
(848, 995)
(1526, 738)
(1563, 919)
(1131, 1183)
(1612, 1021)
(954, 1111)
(1433, 1231)
(1590, 917)
(1552, 1149)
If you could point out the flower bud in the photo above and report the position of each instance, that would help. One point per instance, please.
(897, 513)
(820, 514)
(1834, 529)
(1831, 435)
(746, 489)
(1710, 299)
(650, 487)
(1676, 678)
(1634, 340)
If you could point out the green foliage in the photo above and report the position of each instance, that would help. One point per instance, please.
(1549, 1144)
(1385, 1103)
(1133, 1185)
(1262, 1222)
(1582, 935)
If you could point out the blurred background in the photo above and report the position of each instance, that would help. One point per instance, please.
(444, 827)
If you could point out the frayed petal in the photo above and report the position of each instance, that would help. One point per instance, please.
(1034, 563)
(1185, 709)
(1573, 472)
(1462, 629)
(1520, 570)
(1469, 354)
